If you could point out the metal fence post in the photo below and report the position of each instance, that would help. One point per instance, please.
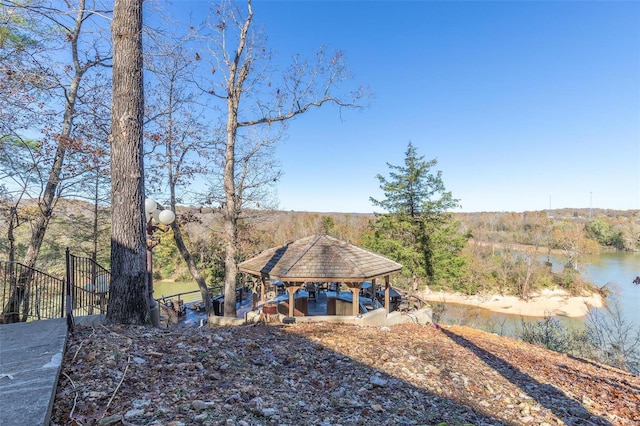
(67, 290)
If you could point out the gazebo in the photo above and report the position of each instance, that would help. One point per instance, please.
(321, 258)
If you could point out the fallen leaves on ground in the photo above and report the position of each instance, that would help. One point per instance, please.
(331, 374)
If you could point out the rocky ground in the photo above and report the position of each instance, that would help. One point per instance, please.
(328, 374)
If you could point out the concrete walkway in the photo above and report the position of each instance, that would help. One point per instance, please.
(30, 362)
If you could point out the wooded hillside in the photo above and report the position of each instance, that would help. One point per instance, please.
(560, 230)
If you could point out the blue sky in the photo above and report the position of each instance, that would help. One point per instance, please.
(525, 105)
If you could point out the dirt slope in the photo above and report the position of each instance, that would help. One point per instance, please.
(327, 374)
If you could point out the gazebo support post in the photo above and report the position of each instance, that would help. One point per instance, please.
(356, 299)
(262, 284)
(374, 293)
(292, 292)
(387, 292)
(254, 295)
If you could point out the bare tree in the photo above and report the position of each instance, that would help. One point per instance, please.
(87, 173)
(252, 99)
(35, 70)
(182, 148)
(614, 339)
(570, 237)
(128, 303)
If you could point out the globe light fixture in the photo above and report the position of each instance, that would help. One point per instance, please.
(166, 217)
(155, 217)
(150, 206)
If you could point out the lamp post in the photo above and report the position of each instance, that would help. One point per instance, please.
(155, 217)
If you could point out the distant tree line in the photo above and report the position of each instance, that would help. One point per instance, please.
(610, 229)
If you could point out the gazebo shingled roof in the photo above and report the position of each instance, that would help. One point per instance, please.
(319, 258)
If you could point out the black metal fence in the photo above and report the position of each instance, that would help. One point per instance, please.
(27, 294)
(88, 286)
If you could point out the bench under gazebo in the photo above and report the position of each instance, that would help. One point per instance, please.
(322, 259)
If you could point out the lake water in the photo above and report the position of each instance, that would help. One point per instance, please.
(169, 288)
(617, 270)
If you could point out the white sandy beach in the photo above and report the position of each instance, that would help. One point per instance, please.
(547, 303)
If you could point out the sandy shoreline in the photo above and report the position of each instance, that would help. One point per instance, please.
(546, 303)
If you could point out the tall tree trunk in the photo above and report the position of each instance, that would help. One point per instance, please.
(13, 222)
(238, 73)
(229, 212)
(128, 302)
(10, 310)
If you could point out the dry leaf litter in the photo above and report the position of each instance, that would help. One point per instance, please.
(331, 374)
